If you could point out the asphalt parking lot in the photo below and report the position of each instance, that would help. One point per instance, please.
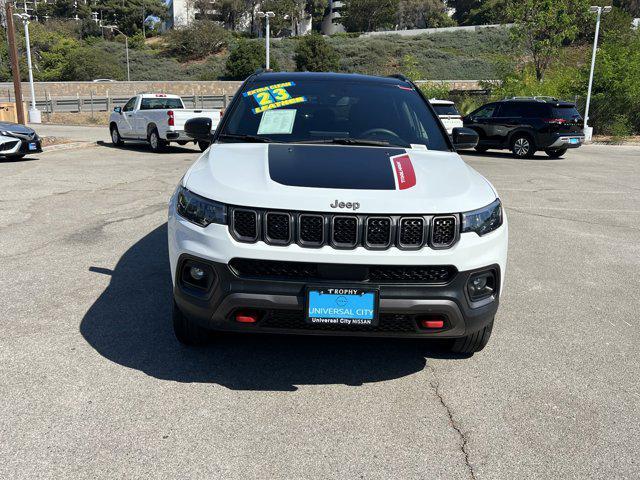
(93, 383)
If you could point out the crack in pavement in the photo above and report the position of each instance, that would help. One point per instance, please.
(464, 441)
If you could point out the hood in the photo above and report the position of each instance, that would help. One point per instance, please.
(15, 128)
(326, 178)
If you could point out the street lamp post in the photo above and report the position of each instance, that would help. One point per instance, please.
(34, 113)
(126, 46)
(588, 131)
(267, 16)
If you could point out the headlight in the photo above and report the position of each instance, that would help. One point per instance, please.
(5, 133)
(483, 220)
(199, 210)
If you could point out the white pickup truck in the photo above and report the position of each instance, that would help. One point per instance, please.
(157, 118)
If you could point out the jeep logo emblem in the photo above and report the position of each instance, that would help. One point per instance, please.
(350, 205)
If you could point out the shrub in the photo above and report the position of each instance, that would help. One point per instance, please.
(435, 90)
(245, 58)
(88, 63)
(620, 127)
(196, 41)
(314, 54)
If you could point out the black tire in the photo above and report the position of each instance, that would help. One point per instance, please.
(116, 139)
(522, 146)
(473, 343)
(556, 153)
(203, 145)
(19, 156)
(155, 142)
(480, 149)
(187, 332)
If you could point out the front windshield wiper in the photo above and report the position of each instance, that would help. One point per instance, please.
(247, 138)
(357, 141)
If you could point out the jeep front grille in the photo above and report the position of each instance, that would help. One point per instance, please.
(314, 230)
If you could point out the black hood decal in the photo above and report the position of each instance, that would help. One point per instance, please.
(333, 166)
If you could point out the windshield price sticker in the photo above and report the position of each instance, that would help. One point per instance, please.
(273, 96)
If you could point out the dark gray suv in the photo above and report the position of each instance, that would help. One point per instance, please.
(526, 125)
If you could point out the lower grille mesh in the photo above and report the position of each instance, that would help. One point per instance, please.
(292, 271)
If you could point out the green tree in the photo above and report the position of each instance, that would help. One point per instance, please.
(423, 14)
(245, 58)
(127, 15)
(314, 54)
(290, 14)
(544, 26)
(368, 15)
(197, 40)
(489, 12)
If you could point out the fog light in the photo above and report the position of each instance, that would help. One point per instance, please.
(481, 285)
(196, 273)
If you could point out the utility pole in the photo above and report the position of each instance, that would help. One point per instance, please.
(34, 113)
(15, 66)
(267, 16)
(588, 131)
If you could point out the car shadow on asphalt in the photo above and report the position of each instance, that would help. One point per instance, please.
(130, 324)
(144, 147)
(508, 155)
(18, 160)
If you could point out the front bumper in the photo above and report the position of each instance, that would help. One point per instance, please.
(10, 145)
(280, 305)
(567, 141)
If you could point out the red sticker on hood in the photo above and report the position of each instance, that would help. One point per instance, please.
(405, 176)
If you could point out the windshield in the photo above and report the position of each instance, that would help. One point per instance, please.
(444, 109)
(332, 111)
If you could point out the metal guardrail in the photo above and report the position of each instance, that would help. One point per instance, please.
(93, 104)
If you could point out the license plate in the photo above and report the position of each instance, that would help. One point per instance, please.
(33, 146)
(342, 306)
(574, 141)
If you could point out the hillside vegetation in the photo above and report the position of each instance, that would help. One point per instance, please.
(61, 54)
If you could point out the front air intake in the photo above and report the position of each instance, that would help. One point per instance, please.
(278, 228)
(444, 231)
(344, 231)
(245, 224)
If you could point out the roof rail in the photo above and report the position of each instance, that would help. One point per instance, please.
(399, 76)
(538, 98)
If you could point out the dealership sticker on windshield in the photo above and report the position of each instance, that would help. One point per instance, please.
(273, 96)
(277, 122)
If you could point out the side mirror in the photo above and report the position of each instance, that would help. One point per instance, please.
(198, 128)
(464, 138)
(117, 109)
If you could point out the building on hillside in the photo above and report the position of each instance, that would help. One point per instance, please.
(183, 12)
(331, 23)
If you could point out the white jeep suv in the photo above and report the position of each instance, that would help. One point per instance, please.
(335, 204)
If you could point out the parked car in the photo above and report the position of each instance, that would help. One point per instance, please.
(18, 140)
(448, 114)
(525, 125)
(157, 118)
(335, 204)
